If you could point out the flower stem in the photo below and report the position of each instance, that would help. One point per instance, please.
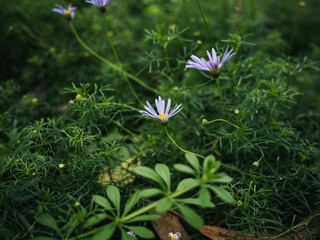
(186, 151)
(107, 62)
(220, 120)
(204, 20)
(118, 61)
(224, 106)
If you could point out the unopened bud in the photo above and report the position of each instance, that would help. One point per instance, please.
(236, 111)
(204, 121)
(256, 164)
(34, 100)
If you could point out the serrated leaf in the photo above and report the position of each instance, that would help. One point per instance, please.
(163, 205)
(191, 216)
(141, 218)
(47, 220)
(193, 161)
(102, 201)
(142, 231)
(134, 198)
(95, 219)
(150, 192)
(114, 196)
(184, 168)
(148, 173)
(223, 194)
(164, 173)
(187, 183)
(105, 232)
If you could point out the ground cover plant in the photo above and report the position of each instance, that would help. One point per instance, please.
(114, 112)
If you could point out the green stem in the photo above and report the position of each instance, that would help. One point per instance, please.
(118, 61)
(106, 61)
(204, 20)
(183, 150)
(154, 204)
(186, 151)
(224, 106)
(168, 65)
(221, 120)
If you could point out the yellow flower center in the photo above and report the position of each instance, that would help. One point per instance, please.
(215, 71)
(67, 12)
(163, 115)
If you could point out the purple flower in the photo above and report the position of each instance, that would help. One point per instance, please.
(69, 12)
(214, 64)
(99, 3)
(162, 115)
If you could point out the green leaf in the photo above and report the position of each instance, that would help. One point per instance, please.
(164, 173)
(193, 161)
(142, 231)
(223, 194)
(148, 173)
(187, 183)
(101, 201)
(163, 205)
(47, 220)
(205, 197)
(195, 201)
(95, 219)
(43, 238)
(114, 196)
(208, 164)
(221, 178)
(184, 168)
(150, 192)
(134, 198)
(125, 235)
(191, 216)
(141, 218)
(105, 232)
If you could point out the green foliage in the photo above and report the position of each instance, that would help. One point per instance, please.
(77, 159)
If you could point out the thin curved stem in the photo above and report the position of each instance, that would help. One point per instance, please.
(186, 151)
(224, 106)
(183, 150)
(204, 20)
(118, 61)
(107, 62)
(220, 120)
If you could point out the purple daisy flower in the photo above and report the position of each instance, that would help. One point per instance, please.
(99, 3)
(214, 64)
(69, 12)
(162, 115)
